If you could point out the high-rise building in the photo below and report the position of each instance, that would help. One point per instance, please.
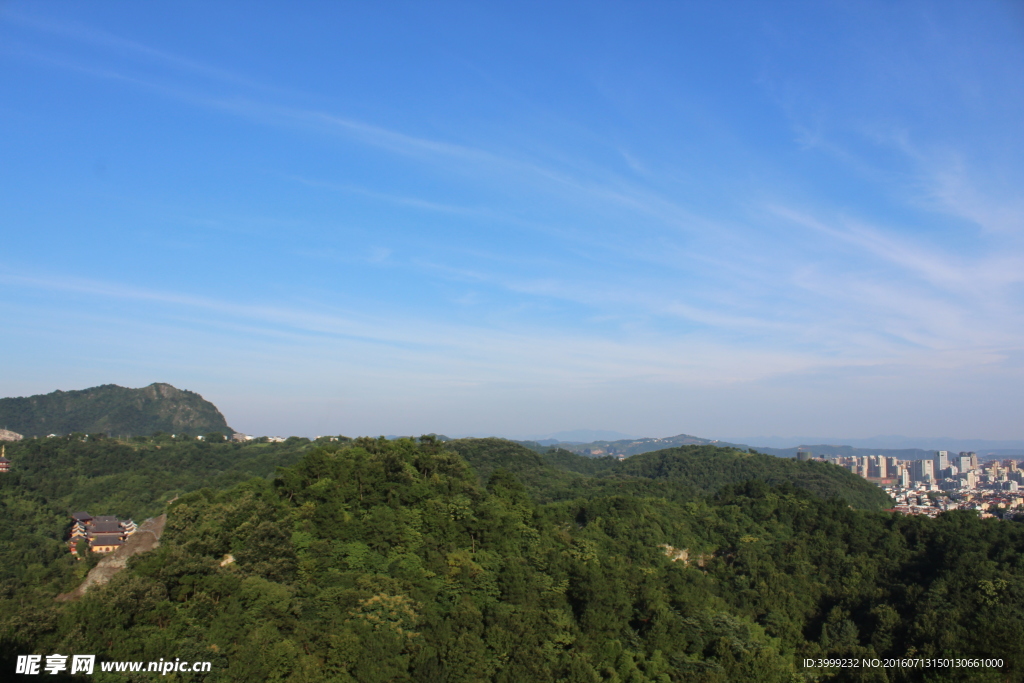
(923, 470)
(877, 466)
(941, 460)
(972, 456)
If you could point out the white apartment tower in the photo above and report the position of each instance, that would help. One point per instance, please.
(923, 470)
(972, 456)
(877, 466)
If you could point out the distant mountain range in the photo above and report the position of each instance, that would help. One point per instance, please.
(632, 446)
(113, 410)
(120, 411)
(926, 447)
(579, 436)
(891, 442)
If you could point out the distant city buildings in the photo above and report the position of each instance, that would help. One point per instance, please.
(943, 482)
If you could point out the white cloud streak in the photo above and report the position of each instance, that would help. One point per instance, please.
(863, 295)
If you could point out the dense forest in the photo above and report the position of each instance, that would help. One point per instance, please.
(481, 560)
(51, 478)
(115, 410)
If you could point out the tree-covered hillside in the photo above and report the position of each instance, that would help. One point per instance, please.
(674, 472)
(53, 477)
(707, 468)
(379, 560)
(113, 410)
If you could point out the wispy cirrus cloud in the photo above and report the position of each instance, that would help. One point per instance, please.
(937, 269)
(466, 351)
(268, 105)
(608, 253)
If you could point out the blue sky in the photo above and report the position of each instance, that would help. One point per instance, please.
(721, 219)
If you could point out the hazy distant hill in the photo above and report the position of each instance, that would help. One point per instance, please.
(113, 410)
(824, 450)
(890, 442)
(627, 447)
(579, 436)
(644, 445)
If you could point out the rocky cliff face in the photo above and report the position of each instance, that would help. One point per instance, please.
(113, 410)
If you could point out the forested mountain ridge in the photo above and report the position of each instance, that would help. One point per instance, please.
(52, 477)
(695, 470)
(114, 410)
(375, 560)
(709, 468)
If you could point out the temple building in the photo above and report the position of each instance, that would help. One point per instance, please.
(104, 534)
(5, 464)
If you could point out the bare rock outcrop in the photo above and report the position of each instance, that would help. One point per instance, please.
(675, 554)
(683, 555)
